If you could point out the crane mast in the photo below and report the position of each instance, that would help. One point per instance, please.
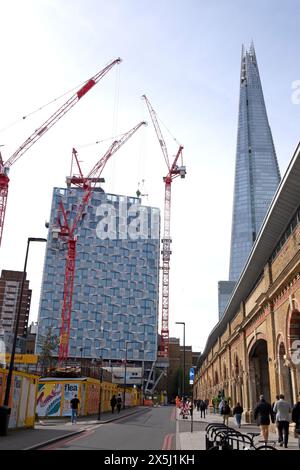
(173, 171)
(67, 230)
(38, 133)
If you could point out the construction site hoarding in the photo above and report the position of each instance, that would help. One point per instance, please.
(54, 396)
(19, 358)
(22, 399)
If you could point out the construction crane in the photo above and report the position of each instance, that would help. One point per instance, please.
(173, 172)
(38, 133)
(66, 229)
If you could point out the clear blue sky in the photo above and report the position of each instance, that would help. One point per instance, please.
(185, 55)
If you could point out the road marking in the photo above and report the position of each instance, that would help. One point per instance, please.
(62, 442)
(167, 444)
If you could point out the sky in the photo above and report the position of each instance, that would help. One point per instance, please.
(185, 56)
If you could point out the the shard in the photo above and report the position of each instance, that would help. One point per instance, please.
(256, 171)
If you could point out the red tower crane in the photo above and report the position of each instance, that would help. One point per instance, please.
(35, 136)
(173, 171)
(66, 230)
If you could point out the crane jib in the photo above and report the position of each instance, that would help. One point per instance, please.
(86, 87)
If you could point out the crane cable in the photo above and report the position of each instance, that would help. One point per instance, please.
(44, 106)
(41, 107)
(141, 157)
(115, 121)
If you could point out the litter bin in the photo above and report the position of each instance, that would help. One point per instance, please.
(4, 420)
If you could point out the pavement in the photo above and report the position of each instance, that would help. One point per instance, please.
(196, 440)
(47, 431)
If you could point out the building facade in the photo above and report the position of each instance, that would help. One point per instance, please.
(255, 347)
(256, 172)
(115, 300)
(10, 287)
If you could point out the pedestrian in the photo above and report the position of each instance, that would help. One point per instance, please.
(237, 412)
(74, 409)
(113, 403)
(296, 419)
(202, 408)
(262, 413)
(198, 404)
(283, 410)
(119, 403)
(225, 412)
(215, 404)
(221, 404)
(276, 422)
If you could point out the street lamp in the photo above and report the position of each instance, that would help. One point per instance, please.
(183, 387)
(124, 396)
(100, 384)
(81, 349)
(13, 352)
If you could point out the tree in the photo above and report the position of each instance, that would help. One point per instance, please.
(48, 345)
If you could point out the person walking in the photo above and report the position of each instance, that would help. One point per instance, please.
(221, 404)
(282, 409)
(198, 404)
(237, 412)
(74, 409)
(119, 403)
(276, 422)
(262, 413)
(225, 412)
(202, 408)
(113, 403)
(296, 419)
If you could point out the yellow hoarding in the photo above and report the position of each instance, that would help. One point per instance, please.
(20, 358)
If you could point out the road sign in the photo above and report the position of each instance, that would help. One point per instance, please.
(192, 375)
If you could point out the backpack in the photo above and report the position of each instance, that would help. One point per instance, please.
(119, 400)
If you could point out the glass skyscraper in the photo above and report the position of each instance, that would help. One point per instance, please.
(256, 171)
(116, 279)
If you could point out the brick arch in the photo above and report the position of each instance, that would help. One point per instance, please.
(292, 325)
(254, 340)
(280, 341)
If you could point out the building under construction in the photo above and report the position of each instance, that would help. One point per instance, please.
(114, 312)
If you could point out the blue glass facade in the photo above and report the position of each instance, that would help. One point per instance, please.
(116, 283)
(256, 173)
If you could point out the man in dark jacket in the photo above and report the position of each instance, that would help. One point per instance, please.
(113, 403)
(202, 408)
(296, 419)
(263, 412)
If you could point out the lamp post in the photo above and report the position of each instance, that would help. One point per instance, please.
(124, 388)
(13, 352)
(183, 386)
(100, 383)
(81, 350)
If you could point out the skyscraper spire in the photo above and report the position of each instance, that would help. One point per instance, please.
(257, 173)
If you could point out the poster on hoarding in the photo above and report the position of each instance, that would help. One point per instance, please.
(49, 399)
(23, 403)
(16, 395)
(70, 390)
